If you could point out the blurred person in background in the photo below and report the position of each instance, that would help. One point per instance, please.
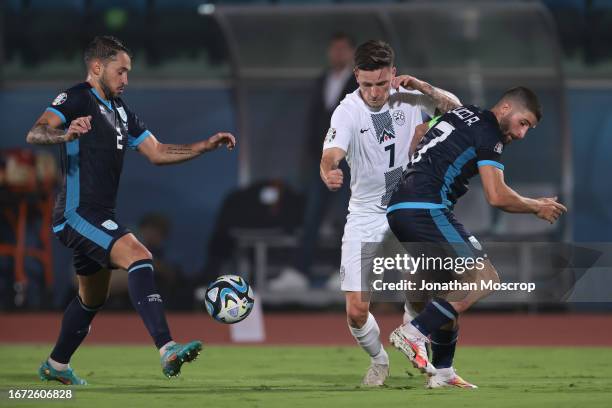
(94, 127)
(268, 208)
(334, 83)
(373, 128)
(154, 231)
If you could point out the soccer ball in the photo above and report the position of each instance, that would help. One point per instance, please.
(229, 299)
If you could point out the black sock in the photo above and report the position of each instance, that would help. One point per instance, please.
(436, 314)
(75, 327)
(147, 301)
(443, 343)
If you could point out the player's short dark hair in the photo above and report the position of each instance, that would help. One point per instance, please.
(373, 55)
(104, 48)
(525, 97)
(342, 36)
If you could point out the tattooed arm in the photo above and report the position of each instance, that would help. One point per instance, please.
(162, 153)
(443, 101)
(45, 130)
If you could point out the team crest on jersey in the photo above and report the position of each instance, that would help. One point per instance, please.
(59, 99)
(122, 114)
(331, 135)
(499, 147)
(110, 225)
(383, 124)
(399, 117)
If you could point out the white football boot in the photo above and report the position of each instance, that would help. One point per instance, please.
(447, 377)
(412, 343)
(376, 375)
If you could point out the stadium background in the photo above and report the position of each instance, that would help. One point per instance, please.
(248, 67)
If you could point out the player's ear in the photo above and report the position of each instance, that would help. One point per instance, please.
(356, 72)
(393, 72)
(506, 107)
(96, 67)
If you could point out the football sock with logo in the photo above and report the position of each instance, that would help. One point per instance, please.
(443, 343)
(436, 314)
(368, 337)
(147, 301)
(75, 327)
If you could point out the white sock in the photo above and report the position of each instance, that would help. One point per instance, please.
(409, 313)
(445, 372)
(58, 366)
(163, 348)
(368, 337)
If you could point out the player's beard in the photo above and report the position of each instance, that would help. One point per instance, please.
(105, 88)
(504, 127)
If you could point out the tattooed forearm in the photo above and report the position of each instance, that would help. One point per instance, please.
(43, 134)
(444, 102)
(172, 153)
(180, 149)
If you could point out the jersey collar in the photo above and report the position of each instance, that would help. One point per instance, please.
(106, 103)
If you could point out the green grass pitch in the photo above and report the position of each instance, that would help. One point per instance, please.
(268, 376)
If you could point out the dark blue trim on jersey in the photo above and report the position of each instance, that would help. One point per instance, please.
(59, 227)
(449, 232)
(133, 142)
(73, 189)
(58, 113)
(454, 170)
(104, 101)
(415, 205)
(490, 163)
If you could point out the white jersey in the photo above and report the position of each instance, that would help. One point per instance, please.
(377, 143)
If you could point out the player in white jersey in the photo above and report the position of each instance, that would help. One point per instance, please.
(373, 128)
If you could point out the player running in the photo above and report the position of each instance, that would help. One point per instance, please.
(94, 128)
(372, 128)
(460, 144)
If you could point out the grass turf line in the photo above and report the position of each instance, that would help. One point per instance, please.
(316, 377)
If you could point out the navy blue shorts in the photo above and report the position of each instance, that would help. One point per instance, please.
(91, 234)
(434, 226)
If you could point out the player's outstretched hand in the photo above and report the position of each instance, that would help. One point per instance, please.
(407, 81)
(550, 210)
(220, 139)
(78, 127)
(333, 179)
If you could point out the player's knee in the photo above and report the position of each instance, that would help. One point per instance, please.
(461, 306)
(357, 314)
(139, 252)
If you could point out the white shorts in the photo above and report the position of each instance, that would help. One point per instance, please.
(359, 228)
